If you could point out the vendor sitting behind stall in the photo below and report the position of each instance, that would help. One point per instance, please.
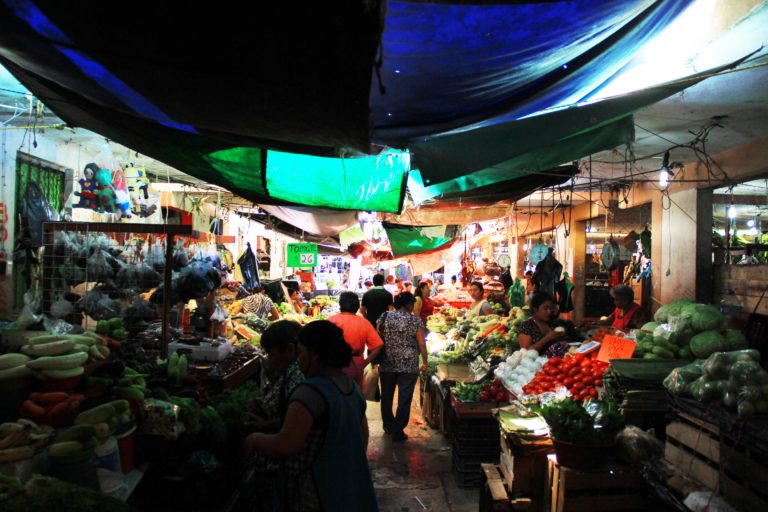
(628, 314)
(479, 305)
(296, 302)
(258, 303)
(536, 332)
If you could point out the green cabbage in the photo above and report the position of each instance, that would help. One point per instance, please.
(669, 310)
(706, 318)
(650, 326)
(706, 343)
(734, 340)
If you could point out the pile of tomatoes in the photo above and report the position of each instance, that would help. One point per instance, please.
(580, 374)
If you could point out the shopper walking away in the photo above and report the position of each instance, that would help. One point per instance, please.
(326, 427)
(403, 335)
(376, 300)
(359, 335)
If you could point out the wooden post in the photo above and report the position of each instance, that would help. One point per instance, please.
(166, 332)
(577, 241)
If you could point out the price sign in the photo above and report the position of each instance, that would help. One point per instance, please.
(301, 255)
(614, 347)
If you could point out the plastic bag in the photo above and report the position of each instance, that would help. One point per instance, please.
(194, 281)
(98, 268)
(249, 268)
(156, 257)
(29, 313)
(139, 310)
(61, 308)
(99, 306)
(635, 446)
(705, 501)
(61, 327)
(219, 315)
(35, 211)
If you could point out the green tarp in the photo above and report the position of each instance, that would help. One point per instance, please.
(407, 240)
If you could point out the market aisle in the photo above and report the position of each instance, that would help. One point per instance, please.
(418, 468)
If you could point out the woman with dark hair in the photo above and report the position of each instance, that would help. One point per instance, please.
(479, 305)
(403, 335)
(423, 307)
(628, 314)
(279, 343)
(536, 332)
(325, 432)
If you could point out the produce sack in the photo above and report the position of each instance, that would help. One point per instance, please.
(249, 268)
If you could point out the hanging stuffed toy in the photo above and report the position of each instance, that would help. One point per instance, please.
(138, 187)
(88, 190)
(105, 195)
(122, 199)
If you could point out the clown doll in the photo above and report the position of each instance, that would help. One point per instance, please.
(122, 198)
(105, 195)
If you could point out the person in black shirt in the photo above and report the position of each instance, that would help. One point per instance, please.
(376, 301)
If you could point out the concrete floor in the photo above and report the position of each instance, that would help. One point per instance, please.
(415, 475)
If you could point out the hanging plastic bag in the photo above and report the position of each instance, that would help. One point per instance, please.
(99, 306)
(219, 315)
(98, 268)
(156, 256)
(249, 268)
(35, 211)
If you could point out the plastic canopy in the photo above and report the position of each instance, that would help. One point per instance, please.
(459, 65)
(407, 240)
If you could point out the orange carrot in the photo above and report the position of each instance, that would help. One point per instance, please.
(30, 408)
(49, 398)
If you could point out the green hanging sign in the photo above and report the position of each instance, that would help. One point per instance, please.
(301, 255)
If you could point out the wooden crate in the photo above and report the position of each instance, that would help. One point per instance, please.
(609, 489)
(524, 473)
(693, 446)
(455, 372)
(743, 475)
(493, 494)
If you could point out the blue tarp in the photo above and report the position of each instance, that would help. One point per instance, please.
(449, 67)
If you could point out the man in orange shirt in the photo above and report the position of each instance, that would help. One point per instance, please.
(359, 334)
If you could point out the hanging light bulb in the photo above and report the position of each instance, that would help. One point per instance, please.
(665, 175)
(732, 212)
(751, 223)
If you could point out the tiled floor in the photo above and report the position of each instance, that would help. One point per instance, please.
(415, 475)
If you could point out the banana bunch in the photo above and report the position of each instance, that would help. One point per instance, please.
(21, 440)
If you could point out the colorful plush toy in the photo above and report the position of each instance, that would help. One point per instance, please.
(138, 187)
(105, 195)
(122, 198)
(87, 188)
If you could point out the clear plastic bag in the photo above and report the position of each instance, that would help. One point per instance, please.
(98, 268)
(98, 305)
(635, 446)
(61, 307)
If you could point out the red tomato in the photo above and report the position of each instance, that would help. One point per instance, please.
(578, 385)
(578, 357)
(568, 381)
(501, 396)
(574, 371)
(559, 383)
(598, 382)
(556, 361)
(585, 363)
(593, 392)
